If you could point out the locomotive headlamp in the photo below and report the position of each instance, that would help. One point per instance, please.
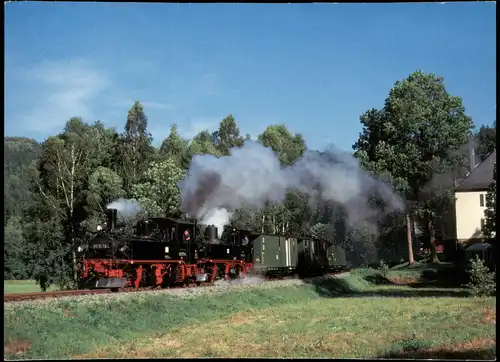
(79, 249)
(99, 227)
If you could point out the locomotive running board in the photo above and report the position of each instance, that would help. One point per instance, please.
(110, 283)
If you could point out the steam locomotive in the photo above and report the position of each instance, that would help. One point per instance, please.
(163, 252)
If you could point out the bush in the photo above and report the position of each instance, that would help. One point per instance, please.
(482, 281)
(383, 268)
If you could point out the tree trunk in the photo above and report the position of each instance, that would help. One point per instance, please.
(273, 218)
(432, 237)
(411, 259)
(75, 266)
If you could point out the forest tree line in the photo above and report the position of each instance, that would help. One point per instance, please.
(56, 191)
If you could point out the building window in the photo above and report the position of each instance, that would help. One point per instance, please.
(481, 200)
(482, 224)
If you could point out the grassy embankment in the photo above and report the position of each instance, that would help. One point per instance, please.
(22, 286)
(344, 317)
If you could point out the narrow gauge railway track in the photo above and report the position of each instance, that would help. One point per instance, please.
(18, 297)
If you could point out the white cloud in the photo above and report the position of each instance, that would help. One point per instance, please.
(61, 90)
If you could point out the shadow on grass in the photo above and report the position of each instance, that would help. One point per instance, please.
(356, 286)
(472, 354)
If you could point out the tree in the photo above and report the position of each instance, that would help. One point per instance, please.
(175, 148)
(104, 186)
(487, 139)
(289, 148)
(413, 138)
(159, 193)
(106, 141)
(14, 252)
(61, 178)
(291, 215)
(19, 155)
(202, 144)
(135, 147)
(227, 136)
(490, 213)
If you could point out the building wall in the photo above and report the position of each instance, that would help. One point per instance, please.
(469, 213)
(446, 225)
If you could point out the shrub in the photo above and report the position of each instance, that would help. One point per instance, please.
(412, 345)
(383, 268)
(482, 281)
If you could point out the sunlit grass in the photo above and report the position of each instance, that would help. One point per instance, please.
(345, 317)
(23, 286)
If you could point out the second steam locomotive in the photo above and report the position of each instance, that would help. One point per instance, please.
(165, 252)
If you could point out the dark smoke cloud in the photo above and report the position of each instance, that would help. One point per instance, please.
(215, 187)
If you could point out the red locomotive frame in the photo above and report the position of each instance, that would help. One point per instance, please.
(165, 272)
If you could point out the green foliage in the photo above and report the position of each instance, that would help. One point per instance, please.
(482, 280)
(159, 193)
(227, 136)
(383, 268)
(104, 186)
(175, 148)
(135, 149)
(55, 192)
(361, 245)
(321, 231)
(19, 155)
(202, 144)
(415, 138)
(288, 147)
(415, 135)
(50, 256)
(411, 345)
(16, 260)
(490, 213)
(487, 139)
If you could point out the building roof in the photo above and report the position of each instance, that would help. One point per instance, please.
(481, 177)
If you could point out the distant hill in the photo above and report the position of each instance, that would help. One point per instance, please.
(19, 154)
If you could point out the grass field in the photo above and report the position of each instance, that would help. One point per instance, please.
(343, 317)
(22, 286)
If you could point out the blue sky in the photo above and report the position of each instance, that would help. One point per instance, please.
(314, 67)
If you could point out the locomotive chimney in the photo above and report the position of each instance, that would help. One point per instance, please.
(111, 214)
(211, 234)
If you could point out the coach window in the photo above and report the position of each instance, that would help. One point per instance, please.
(481, 200)
(482, 224)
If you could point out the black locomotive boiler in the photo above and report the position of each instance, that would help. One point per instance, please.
(163, 252)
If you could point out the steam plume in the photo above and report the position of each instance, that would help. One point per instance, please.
(215, 187)
(126, 208)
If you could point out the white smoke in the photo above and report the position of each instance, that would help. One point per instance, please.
(217, 217)
(247, 280)
(252, 175)
(126, 208)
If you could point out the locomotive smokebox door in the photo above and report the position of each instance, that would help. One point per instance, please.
(111, 216)
(211, 233)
